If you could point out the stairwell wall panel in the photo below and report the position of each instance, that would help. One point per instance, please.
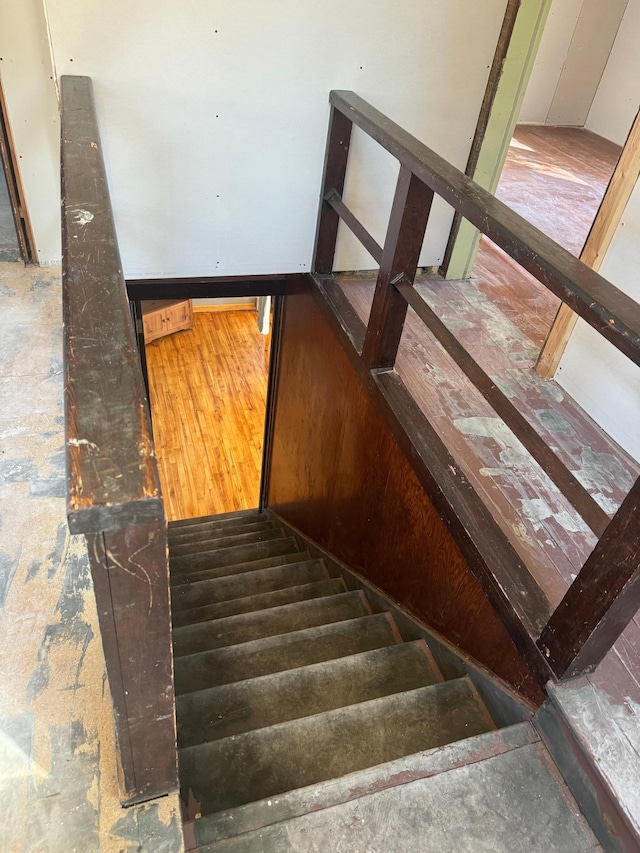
(338, 475)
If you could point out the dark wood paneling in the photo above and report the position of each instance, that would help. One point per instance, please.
(130, 577)
(208, 287)
(338, 475)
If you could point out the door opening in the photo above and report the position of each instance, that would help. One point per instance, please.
(16, 238)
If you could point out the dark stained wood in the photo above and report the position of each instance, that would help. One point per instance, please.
(504, 39)
(338, 474)
(405, 234)
(130, 576)
(136, 314)
(571, 488)
(112, 472)
(350, 323)
(334, 172)
(603, 598)
(270, 410)
(611, 312)
(208, 287)
(375, 250)
(113, 485)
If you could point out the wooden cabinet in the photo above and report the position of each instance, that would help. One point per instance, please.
(163, 317)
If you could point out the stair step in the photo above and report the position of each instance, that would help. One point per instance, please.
(218, 826)
(226, 541)
(259, 702)
(238, 586)
(267, 600)
(221, 518)
(227, 556)
(270, 761)
(231, 630)
(189, 577)
(508, 803)
(284, 652)
(206, 534)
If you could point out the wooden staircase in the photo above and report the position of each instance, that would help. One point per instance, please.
(306, 722)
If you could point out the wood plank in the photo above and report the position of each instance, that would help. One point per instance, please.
(352, 222)
(208, 287)
(403, 242)
(112, 471)
(571, 488)
(131, 580)
(602, 600)
(610, 311)
(623, 180)
(333, 177)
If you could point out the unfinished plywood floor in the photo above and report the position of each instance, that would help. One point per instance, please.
(208, 390)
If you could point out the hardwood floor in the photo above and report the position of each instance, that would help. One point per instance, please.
(208, 391)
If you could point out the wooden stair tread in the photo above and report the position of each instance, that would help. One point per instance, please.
(231, 630)
(279, 758)
(189, 577)
(270, 699)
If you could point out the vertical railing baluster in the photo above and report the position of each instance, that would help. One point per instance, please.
(402, 245)
(602, 600)
(335, 170)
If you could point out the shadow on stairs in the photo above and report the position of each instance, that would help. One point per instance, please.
(307, 723)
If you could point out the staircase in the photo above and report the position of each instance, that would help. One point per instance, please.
(307, 723)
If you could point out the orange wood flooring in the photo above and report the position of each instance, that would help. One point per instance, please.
(208, 389)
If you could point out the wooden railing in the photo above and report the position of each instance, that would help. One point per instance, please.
(113, 487)
(606, 593)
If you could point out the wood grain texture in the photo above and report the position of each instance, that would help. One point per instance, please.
(131, 580)
(338, 476)
(208, 394)
(112, 471)
(604, 227)
(610, 311)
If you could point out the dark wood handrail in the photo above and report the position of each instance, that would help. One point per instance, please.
(605, 307)
(606, 593)
(113, 485)
(112, 471)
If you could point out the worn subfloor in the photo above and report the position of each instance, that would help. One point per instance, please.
(555, 177)
(58, 789)
(208, 388)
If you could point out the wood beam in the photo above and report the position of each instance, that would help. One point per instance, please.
(599, 239)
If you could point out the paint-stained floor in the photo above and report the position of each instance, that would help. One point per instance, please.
(58, 784)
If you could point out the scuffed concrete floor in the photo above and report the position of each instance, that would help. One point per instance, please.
(58, 788)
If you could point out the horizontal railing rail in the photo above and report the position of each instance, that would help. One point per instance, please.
(574, 639)
(113, 485)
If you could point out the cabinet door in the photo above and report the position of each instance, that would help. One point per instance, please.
(153, 326)
(179, 316)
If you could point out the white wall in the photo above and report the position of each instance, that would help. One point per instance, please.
(32, 112)
(554, 46)
(573, 55)
(213, 115)
(602, 380)
(618, 97)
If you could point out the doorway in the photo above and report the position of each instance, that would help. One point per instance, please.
(16, 239)
(208, 388)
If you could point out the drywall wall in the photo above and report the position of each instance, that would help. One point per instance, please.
(213, 116)
(32, 113)
(588, 54)
(554, 46)
(618, 97)
(602, 380)
(571, 60)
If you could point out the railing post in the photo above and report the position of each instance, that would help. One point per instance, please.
(335, 170)
(601, 601)
(130, 577)
(402, 245)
